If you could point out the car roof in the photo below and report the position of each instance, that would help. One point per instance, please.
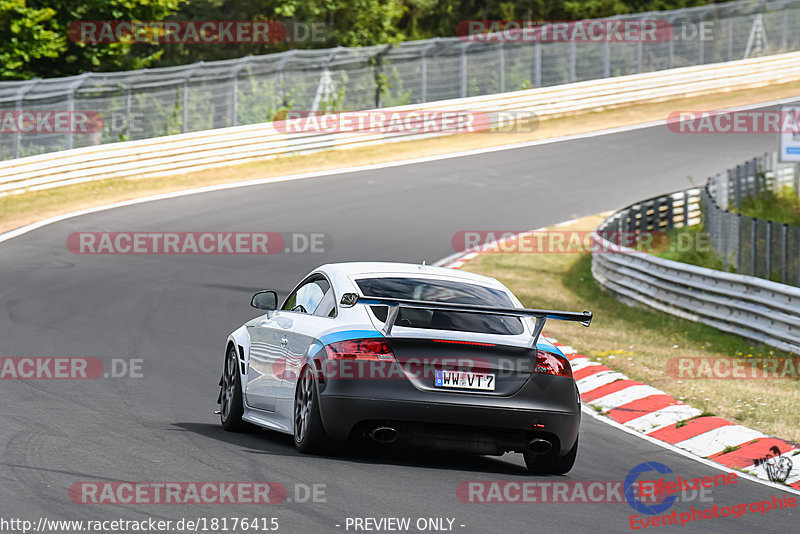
(351, 269)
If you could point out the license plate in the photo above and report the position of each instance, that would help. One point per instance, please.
(463, 380)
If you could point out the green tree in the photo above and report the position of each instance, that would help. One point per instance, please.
(35, 34)
(38, 36)
(26, 35)
(351, 22)
(587, 9)
(343, 23)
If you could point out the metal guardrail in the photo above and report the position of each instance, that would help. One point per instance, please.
(757, 309)
(149, 103)
(203, 150)
(675, 210)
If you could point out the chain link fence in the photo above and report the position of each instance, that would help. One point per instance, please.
(746, 245)
(751, 246)
(149, 103)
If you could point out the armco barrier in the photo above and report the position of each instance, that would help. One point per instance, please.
(751, 307)
(213, 148)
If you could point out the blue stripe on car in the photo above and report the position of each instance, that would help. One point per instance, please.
(343, 335)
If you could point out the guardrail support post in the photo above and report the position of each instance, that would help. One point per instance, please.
(739, 243)
(128, 107)
(17, 135)
(685, 208)
(537, 64)
(70, 109)
(234, 99)
(423, 78)
(737, 190)
(670, 212)
(701, 49)
(501, 66)
(784, 29)
(281, 68)
(724, 230)
(784, 252)
(730, 38)
(464, 70)
(754, 173)
(184, 105)
(640, 56)
(731, 189)
(753, 247)
(671, 47)
(607, 58)
(378, 78)
(573, 52)
(235, 91)
(769, 250)
(642, 219)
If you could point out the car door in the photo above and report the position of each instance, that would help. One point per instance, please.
(312, 311)
(271, 358)
(269, 340)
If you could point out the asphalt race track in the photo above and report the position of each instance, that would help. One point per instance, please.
(174, 312)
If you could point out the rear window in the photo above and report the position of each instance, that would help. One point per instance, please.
(442, 291)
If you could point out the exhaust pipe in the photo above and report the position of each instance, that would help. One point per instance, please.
(539, 446)
(384, 434)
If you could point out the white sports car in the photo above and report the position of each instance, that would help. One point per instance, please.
(404, 354)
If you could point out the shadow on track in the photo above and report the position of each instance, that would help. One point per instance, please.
(359, 452)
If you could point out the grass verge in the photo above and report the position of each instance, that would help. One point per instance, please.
(639, 342)
(26, 208)
(691, 245)
(782, 206)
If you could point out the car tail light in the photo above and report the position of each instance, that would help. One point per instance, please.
(552, 364)
(360, 349)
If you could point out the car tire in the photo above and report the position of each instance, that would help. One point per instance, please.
(309, 433)
(231, 407)
(551, 463)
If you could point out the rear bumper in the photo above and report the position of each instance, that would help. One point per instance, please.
(546, 408)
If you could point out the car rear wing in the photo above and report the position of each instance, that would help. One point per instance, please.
(541, 316)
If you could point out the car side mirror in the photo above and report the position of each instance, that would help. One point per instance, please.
(265, 300)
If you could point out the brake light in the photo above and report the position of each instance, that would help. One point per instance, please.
(552, 364)
(360, 349)
(463, 342)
